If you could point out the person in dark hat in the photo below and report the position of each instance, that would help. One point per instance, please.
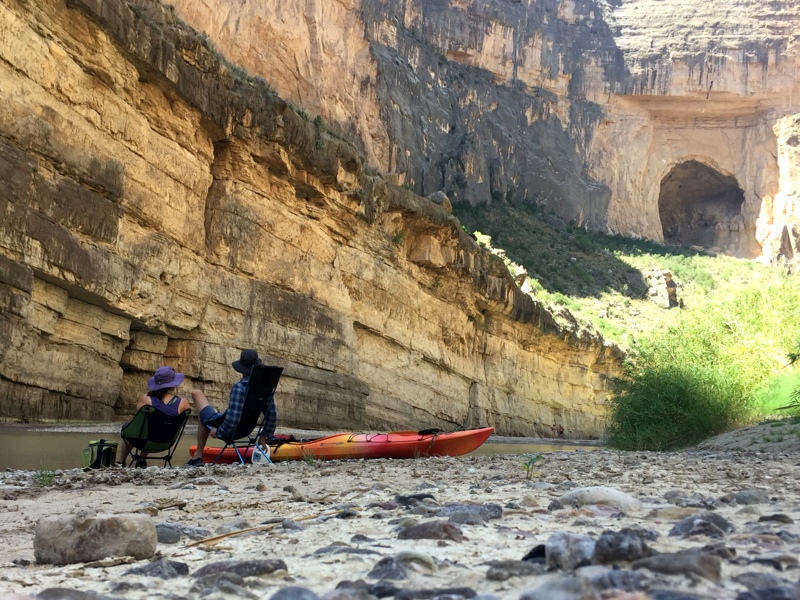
(159, 395)
(222, 425)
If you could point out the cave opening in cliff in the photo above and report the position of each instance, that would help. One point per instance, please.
(695, 199)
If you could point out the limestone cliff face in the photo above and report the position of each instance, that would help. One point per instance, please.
(159, 208)
(594, 109)
(718, 87)
(483, 100)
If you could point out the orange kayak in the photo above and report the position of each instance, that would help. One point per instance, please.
(395, 444)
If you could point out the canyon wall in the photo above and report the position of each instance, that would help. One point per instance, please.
(591, 108)
(160, 207)
(480, 100)
(716, 86)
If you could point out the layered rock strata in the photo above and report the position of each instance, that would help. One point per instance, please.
(159, 207)
(584, 106)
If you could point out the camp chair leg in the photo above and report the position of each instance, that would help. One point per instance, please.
(239, 454)
(240, 451)
(216, 460)
(235, 448)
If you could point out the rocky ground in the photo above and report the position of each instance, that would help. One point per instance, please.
(712, 524)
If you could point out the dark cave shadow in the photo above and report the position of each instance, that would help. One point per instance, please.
(563, 258)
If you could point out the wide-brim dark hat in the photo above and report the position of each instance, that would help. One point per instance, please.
(246, 362)
(165, 377)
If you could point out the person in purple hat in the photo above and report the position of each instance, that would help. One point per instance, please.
(160, 387)
(222, 425)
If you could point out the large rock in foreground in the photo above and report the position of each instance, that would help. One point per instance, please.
(67, 539)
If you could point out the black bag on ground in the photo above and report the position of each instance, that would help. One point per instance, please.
(99, 454)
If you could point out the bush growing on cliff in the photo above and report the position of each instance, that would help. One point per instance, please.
(707, 374)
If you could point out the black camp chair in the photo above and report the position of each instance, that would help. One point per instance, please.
(260, 392)
(152, 431)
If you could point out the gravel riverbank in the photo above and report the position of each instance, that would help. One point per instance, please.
(713, 524)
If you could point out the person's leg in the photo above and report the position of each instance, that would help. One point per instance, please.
(124, 450)
(207, 415)
(200, 402)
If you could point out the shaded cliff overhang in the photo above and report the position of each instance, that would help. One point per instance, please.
(720, 108)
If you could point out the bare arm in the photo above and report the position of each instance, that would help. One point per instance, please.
(184, 405)
(144, 400)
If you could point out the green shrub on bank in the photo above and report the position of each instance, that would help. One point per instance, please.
(671, 406)
(708, 374)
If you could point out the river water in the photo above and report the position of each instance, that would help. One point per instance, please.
(50, 447)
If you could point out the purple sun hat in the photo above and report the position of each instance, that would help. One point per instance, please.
(165, 377)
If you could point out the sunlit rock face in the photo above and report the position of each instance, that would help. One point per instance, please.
(713, 90)
(583, 106)
(159, 208)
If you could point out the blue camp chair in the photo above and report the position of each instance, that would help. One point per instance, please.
(260, 392)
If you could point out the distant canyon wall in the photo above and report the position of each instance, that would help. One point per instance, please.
(593, 109)
(160, 208)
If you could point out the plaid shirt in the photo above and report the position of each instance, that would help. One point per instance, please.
(234, 412)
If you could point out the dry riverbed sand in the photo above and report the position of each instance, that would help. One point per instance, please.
(345, 529)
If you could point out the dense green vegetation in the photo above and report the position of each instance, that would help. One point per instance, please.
(719, 367)
(717, 362)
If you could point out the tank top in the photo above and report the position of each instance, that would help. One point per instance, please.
(170, 408)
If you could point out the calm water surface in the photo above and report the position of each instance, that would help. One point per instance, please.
(42, 449)
(34, 450)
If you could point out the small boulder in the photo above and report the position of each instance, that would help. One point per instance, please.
(601, 495)
(755, 580)
(466, 518)
(569, 551)
(703, 565)
(783, 592)
(84, 537)
(227, 584)
(441, 594)
(161, 568)
(605, 578)
(703, 522)
(486, 511)
(389, 568)
(167, 534)
(501, 570)
(294, 592)
(242, 568)
(65, 594)
(563, 588)
(752, 497)
(432, 530)
(624, 545)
